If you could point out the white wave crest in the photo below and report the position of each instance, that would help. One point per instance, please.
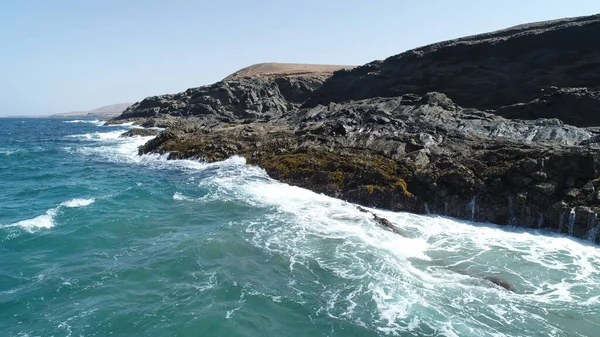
(43, 221)
(180, 197)
(78, 202)
(7, 152)
(112, 135)
(46, 220)
(87, 121)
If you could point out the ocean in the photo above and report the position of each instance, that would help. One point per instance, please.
(98, 241)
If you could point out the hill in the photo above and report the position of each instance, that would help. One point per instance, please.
(286, 69)
(103, 112)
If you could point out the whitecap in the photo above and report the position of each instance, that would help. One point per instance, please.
(87, 121)
(46, 220)
(112, 135)
(7, 152)
(39, 222)
(180, 197)
(78, 202)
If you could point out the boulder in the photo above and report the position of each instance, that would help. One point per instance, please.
(139, 133)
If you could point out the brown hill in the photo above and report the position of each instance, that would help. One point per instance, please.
(102, 112)
(286, 69)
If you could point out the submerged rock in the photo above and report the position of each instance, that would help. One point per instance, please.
(500, 282)
(383, 222)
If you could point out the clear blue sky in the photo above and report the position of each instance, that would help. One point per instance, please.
(64, 55)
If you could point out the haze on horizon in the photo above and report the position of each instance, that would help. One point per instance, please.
(67, 55)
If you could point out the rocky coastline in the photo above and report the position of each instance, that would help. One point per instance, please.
(501, 127)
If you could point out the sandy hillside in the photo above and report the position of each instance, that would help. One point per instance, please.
(286, 69)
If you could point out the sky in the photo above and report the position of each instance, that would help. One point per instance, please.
(72, 55)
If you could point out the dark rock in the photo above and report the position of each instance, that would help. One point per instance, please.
(539, 176)
(572, 194)
(232, 99)
(573, 106)
(500, 282)
(386, 223)
(139, 133)
(383, 222)
(545, 188)
(155, 143)
(512, 70)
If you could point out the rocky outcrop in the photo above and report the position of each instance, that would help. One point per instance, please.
(418, 154)
(243, 98)
(514, 68)
(262, 91)
(403, 134)
(383, 222)
(139, 133)
(500, 282)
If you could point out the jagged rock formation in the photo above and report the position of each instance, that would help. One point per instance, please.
(264, 91)
(393, 135)
(139, 133)
(416, 154)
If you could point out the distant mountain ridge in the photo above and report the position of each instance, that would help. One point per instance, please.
(105, 111)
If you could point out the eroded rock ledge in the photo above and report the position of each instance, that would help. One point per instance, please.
(414, 149)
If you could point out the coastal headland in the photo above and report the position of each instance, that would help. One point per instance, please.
(502, 127)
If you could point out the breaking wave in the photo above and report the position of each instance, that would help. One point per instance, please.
(46, 220)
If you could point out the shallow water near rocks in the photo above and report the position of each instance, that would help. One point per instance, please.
(97, 241)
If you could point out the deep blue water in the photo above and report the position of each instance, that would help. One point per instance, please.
(96, 241)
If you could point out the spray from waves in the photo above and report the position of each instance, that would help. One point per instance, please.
(98, 122)
(112, 135)
(425, 284)
(46, 220)
(110, 147)
(86, 121)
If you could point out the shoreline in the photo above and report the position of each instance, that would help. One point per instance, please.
(478, 128)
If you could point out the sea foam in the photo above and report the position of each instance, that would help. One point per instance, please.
(440, 267)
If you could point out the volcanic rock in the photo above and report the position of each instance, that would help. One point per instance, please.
(500, 127)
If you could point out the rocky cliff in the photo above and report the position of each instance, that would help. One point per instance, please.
(450, 128)
(540, 70)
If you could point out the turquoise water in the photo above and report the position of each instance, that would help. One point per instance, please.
(97, 241)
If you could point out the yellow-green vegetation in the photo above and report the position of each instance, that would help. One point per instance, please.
(185, 146)
(371, 188)
(336, 178)
(401, 183)
(338, 171)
